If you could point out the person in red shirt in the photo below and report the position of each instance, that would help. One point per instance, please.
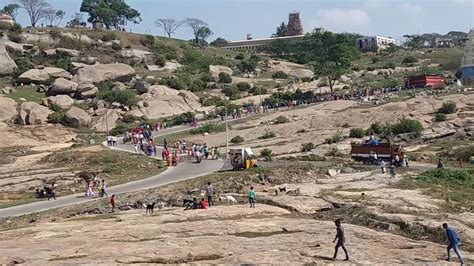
(203, 203)
(112, 202)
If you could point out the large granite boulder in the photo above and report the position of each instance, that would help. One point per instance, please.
(135, 53)
(63, 86)
(92, 93)
(161, 101)
(7, 108)
(68, 52)
(99, 73)
(78, 117)
(62, 100)
(32, 113)
(42, 76)
(216, 69)
(7, 65)
(106, 118)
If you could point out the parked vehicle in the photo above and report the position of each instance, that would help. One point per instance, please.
(369, 152)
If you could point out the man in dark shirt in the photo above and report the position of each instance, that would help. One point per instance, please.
(340, 240)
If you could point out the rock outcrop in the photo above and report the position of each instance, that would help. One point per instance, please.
(78, 117)
(62, 100)
(63, 86)
(99, 73)
(100, 123)
(41, 76)
(32, 113)
(215, 70)
(142, 86)
(7, 65)
(7, 108)
(162, 101)
(135, 53)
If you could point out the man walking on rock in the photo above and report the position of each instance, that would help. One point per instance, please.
(453, 242)
(252, 195)
(341, 239)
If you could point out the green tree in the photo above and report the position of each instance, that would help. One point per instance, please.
(335, 62)
(52, 15)
(113, 13)
(195, 25)
(12, 10)
(219, 42)
(203, 33)
(281, 30)
(414, 41)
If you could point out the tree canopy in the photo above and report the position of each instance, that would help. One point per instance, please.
(219, 42)
(36, 9)
(281, 30)
(195, 25)
(169, 25)
(112, 13)
(12, 10)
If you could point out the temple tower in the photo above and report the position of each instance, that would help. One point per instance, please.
(467, 63)
(294, 25)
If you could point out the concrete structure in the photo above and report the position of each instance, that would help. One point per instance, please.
(467, 63)
(422, 81)
(5, 18)
(253, 44)
(374, 43)
(295, 27)
(295, 31)
(444, 42)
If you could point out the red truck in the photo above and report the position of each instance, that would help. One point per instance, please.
(365, 152)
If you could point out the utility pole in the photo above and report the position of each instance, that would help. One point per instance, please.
(226, 136)
(107, 121)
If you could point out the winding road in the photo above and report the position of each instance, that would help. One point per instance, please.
(182, 172)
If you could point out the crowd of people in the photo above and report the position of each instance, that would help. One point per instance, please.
(96, 187)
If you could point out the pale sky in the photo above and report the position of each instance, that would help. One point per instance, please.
(233, 19)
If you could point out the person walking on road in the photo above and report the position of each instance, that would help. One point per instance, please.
(112, 202)
(453, 242)
(252, 196)
(392, 171)
(382, 166)
(104, 189)
(341, 239)
(210, 193)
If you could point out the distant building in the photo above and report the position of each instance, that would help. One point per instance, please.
(295, 27)
(444, 42)
(422, 81)
(294, 31)
(5, 18)
(467, 63)
(253, 44)
(374, 43)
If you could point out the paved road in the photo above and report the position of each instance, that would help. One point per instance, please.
(182, 172)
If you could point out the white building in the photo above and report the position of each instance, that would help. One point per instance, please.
(374, 43)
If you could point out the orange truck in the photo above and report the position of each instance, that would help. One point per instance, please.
(365, 152)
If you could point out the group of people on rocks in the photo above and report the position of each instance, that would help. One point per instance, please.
(210, 193)
(96, 186)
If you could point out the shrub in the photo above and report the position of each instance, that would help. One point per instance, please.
(207, 77)
(56, 117)
(126, 97)
(64, 63)
(116, 46)
(447, 177)
(237, 139)
(389, 65)
(370, 68)
(109, 36)
(244, 86)
(210, 127)
(300, 131)
(346, 125)
(198, 85)
(174, 82)
(55, 107)
(406, 125)
(448, 108)
(267, 135)
(160, 60)
(232, 92)
(305, 147)
(375, 60)
(440, 117)
(334, 152)
(305, 79)
(357, 133)
(409, 59)
(376, 128)
(213, 100)
(281, 120)
(280, 75)
(267, 154)
(225, 78)
(335, 138)
(240, 56)
(16, 28)
(148, 40)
